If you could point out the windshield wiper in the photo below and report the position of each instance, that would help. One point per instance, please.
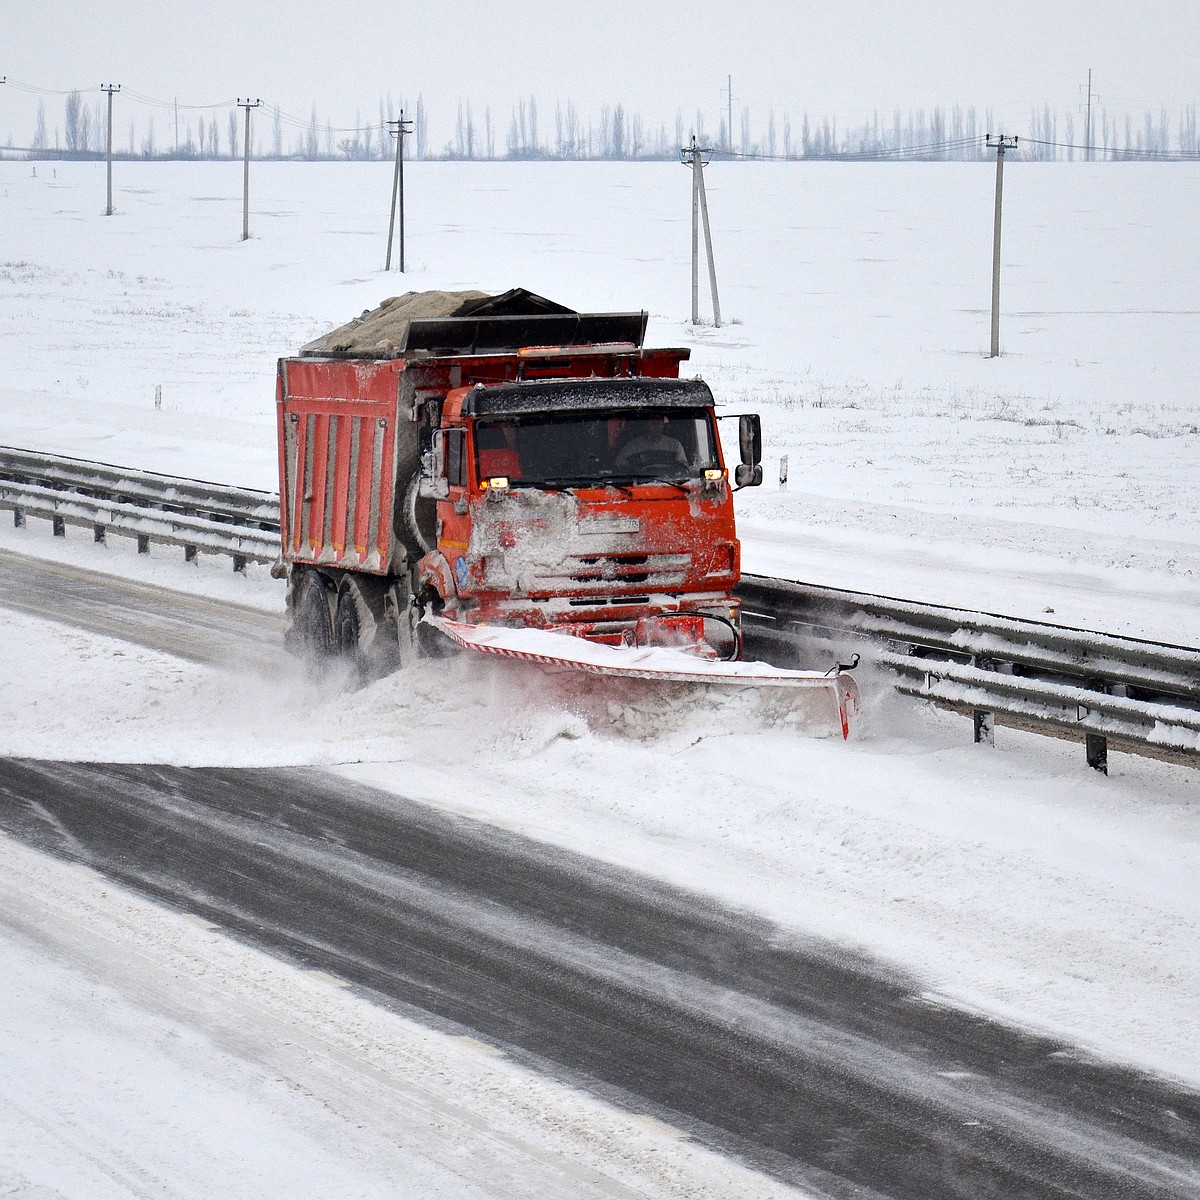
(625, 480)
(541, 485)
(558, 485)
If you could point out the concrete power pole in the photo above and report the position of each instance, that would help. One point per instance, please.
(1000, 143)
(110, 89)
(398, 130)
(1086, 104)
(247, 105)
(729, 118)
(693, 156)
(1089, 116)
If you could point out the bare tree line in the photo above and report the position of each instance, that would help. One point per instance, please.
(615, 133)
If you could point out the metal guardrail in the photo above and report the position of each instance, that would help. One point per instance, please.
(152, 508)
(1106, 691)
(1131, 695)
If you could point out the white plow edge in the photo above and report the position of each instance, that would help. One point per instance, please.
(640, 662)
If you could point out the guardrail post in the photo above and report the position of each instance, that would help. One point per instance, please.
(143, 541)
(239, 563)
(189, 554)
(1096, 748)
(18, 518)
(985, 727)
(98, 534)
(60, 526)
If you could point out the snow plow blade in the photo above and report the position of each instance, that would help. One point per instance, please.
(833, 697)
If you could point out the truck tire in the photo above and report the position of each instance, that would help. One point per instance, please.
(312, 627)
(365, 634)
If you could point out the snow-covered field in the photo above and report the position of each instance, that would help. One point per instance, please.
(1056, 479)
(1058, 476)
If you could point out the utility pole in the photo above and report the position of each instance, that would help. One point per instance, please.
(398, 129)
(1000, 144)
(110, 88)
(247, 105)
(729, 113)
(1086, 107)
(729, 103)
(1089, 116)
(693, 156)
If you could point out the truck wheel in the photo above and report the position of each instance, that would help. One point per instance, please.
(364, 634)
(311, 625)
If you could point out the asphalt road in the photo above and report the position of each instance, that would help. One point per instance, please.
(193, 627)
(818, 1067)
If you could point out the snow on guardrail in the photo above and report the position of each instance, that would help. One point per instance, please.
(1138, 696)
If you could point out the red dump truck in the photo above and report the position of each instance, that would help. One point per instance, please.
(498, 470)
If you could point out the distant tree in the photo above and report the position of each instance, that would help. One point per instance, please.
(39, 132)
(637, 136)
(311, 143)
(617, 137)
(277, 133)
(1188, 142)
(232, 133)
(572, 131)
(421, 128)
(74, 121)
(148, 140)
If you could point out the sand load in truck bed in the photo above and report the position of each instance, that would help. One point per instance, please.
(422, 325)
(381, 331)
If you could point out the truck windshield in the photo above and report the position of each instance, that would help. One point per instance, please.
(578, 449)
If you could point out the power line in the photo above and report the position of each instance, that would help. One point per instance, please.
(1131, 151)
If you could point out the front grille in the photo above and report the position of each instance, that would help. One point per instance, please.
(662, 571)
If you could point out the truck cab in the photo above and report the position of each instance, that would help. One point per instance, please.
(599, 507)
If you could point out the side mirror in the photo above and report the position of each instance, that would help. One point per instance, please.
(750, 439)
(747, 476)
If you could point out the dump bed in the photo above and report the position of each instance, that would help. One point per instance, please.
(342, 446)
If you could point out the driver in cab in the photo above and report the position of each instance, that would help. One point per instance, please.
(652, 448)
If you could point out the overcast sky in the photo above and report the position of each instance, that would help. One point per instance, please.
(847, 59)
